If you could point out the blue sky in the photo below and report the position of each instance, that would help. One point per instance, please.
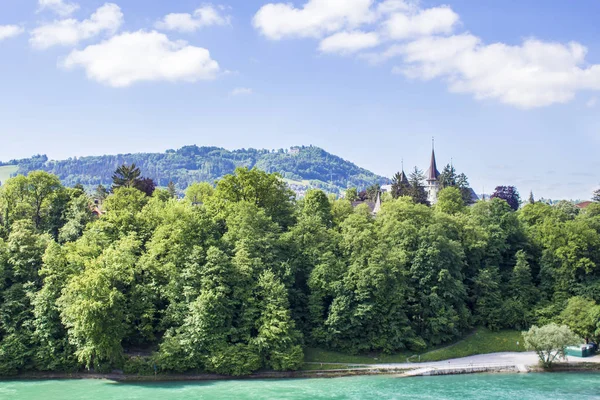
(510, 90)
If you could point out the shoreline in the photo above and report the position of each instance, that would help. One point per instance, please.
(126, 378)
(333, 373)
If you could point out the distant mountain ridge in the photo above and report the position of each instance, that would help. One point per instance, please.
(302, 166)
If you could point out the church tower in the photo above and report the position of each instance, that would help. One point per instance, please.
(433, 185)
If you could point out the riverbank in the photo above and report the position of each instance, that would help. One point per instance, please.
(120, 377)
(489, 363)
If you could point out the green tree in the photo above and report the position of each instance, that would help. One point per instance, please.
(488, 299)
(549, 342)
(267, 191)
(93, 305)
(38, 196)
(78, 214)
(351, 194)
(277, 339)
(101, 193)
(450, 201)
(316, 203)
(41, 187)
(583, 317)
(199, 192)
(172, 189)
(439, 302)
(522, 295)
(447, 177)
(417, 187)
(128, 176)
(400, 185)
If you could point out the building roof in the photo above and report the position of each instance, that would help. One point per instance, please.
(584, 204)
(474, 197)
(403, 177)
(432, 172)
(357, 203)
(377, 206)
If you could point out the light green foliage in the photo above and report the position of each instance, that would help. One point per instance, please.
(317, 204)
(583, 317)
(351, 194)
(450, 201)
(277, 340)
(38, 197)
(93, 305)
(78, 214)
(340, 210)
(199, 192)
(267, 191)
(549, 342)
(244, 277)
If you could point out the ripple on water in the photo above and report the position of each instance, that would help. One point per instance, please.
(559, 386)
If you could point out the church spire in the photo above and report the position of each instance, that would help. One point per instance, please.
(432, 173)
(377, 206)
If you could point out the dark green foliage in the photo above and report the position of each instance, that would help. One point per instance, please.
(400, 185)
(416, 189)
(243, 276)
(449, 178)
(126, 176)
(196, 164)
(130, 176)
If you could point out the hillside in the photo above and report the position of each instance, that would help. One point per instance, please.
(302, 167)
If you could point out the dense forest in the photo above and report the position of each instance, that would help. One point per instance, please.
(309, 166)
(243, 276)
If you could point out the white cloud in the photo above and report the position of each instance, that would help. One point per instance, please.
(316, 18)
(241, 91)
(426, 22)
(60, 7)
(69, 32)
(207, 15)
(533, 74)
(591, 103)
(143, 56)
(349, 42)
(8, 31)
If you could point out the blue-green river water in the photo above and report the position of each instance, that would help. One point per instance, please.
(576, 386)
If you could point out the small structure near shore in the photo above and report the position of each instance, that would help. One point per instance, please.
(585, 350)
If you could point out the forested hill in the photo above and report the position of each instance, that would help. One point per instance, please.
(308, 166)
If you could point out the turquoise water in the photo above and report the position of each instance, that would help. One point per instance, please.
(576, 386)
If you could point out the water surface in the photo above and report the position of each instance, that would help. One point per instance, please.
(558, 386)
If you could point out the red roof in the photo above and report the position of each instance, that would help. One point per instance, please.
(584, 204)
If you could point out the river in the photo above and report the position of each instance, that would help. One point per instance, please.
(557, 386)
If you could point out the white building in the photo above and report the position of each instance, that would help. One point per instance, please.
(432, 187)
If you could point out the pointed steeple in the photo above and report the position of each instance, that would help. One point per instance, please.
(403, 178)
(377, 207)
(432, 172)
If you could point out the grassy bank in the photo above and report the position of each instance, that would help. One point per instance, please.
(481, 341)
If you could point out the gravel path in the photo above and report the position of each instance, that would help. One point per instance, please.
(509, 358)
